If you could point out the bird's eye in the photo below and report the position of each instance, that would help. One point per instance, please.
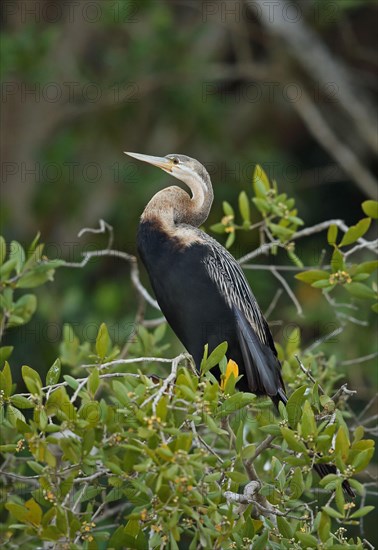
(175, 160)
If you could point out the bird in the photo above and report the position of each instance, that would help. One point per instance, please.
(201, 288)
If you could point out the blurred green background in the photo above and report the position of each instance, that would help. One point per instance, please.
(233, 84)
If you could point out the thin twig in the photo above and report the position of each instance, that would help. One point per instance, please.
(343, 390)
(362, 359)
(289, 291)
(273, 303)
(134, 270)
(261, 448)
(306, 232)
(130, 361)
(325, 338)
(308, 374)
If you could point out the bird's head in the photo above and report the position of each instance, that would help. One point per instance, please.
(184, 168)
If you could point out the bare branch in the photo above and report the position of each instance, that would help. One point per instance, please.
(273, 303)
(343, 390)
(306, 232)
(289, 291)
(325, 338)
(134, 270)
(308, 374)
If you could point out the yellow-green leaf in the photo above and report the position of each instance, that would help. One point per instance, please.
(356, 232)
(362, 512)
(312, 275)
(294, 406)
(3, 250)
(308, 424)
(337, 261)
(53, 373)
(324, 527)
(227, 209)
(102, 341)
(294, 443)
(32, 380)
(244, 206)
(342, 443)
(6, 380)
(332, 234)
(370, 208)
(359, 290)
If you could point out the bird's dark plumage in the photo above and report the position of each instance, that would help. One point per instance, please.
(200, 287)
(213, 305)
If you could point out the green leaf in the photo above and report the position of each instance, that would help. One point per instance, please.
(3, 250)
(7, 268)
(294, 406)
(362, 512)
(359, 290)
(337, 261)
(332, 234)
(332, 513)
(6, 380)
(244, 207)
(260, 181)
(17, 511)
(25, 307)
(261, 540)
(39, 274)
(227, 209)
(342, 443)
(367, 267)
(236, 402)
(308, 424)
(13, 415)
(214, 358)
(307, 539)
(53, 373)
(5, 352)
(297, 485)
(230, 240)
(71, 381)
(312, 275)
(284, 527)
(339, 498)
(370, 208)
(32, 380)
(17, 253)
(362, 459)
(21, 402)
(93, 381)
(356, 232)
(262, 205)
(280, 231)
(218, 228)
(102, 341)
(238, 477)
(293, 443)
(295, 259)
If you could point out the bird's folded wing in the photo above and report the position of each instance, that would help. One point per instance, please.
(261, 365)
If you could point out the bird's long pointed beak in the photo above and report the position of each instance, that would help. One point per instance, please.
(160, 162)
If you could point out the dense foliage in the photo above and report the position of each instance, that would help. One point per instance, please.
(99, 453)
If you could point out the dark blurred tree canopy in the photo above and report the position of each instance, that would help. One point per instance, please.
(288, 85)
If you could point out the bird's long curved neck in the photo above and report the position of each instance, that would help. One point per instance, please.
(173, 206)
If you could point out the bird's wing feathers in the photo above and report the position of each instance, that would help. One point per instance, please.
(255, 357)
(261, 365)
(226, 273)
